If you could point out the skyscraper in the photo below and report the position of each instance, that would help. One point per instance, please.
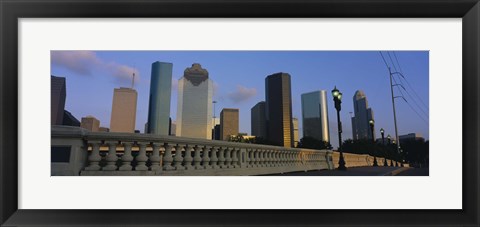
(278, 107)
(159, 99)
(296, 136)
(363, 114)
(124, 110)
(91, 123)
(257, 120)
(194, 109)
(58, 96)
(228, 123)
(315, 115)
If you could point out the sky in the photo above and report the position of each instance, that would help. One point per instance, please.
(239, 82)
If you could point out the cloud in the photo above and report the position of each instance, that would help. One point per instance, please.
(242, 94)
(85, 62)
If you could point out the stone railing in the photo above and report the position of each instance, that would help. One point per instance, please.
(360, 160)
(130, 154)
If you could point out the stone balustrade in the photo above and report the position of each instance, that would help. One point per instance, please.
(359, 160)
(134, 154)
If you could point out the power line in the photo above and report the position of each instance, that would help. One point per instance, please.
(403, 96)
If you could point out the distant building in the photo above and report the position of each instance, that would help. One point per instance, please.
(69, 119)
(90, 123)
(296, 136)
(173, 128)
(194, 108)
(411, 137)
(216, 132)
(315, 115)
(278, 107)
(103, 129)
(58, 96)
(360, 122)
(228, 123)
(258, 121)
(124, 110)
(159, 99)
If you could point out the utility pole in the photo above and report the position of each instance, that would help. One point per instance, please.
(394, 113)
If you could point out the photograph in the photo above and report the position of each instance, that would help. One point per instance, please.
(239, 113)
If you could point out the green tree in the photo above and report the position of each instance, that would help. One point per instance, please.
(312, 143)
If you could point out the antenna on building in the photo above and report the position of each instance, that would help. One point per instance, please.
(133, 78)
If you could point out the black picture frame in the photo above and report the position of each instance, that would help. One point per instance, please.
(12, 10)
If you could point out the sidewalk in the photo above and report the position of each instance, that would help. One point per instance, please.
(354, 171)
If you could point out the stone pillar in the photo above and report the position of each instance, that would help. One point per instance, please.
(155, 158)
(94, 158)
(111, 157)
(197, 160)
(221, 157)
(247, 158)
(188, 157)
(142, 157)
(214, 159)
(256, 157)
(228, 158)
(235, 153)
(127, 157)
(168, 159)
(178, 160)
(206, 158)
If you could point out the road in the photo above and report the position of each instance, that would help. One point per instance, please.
(359, 171)
(415, 172)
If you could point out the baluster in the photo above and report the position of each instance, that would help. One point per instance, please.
(206, 158)
(127, 157)
(221, 157)
(188, 157)
(270, 158)
(274, 158)
(247, 157)
(252, 157)
(155, 159)
(214, 159)
(111, 157)
(142, 157)
(94, 158)
(197, 160)
(168, 159)
(178, 160)
(228, 158)
(235, 159)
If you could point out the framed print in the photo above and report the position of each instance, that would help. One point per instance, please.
(422, 55)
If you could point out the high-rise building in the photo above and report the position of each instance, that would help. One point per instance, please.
(258, 121)
(360, 122)
(278, 107)
(90, 123)
(58, 96)
(315, 115)
(194, 108)
(69, 119)
(228, 123)
(159, 99)
(296, 136)
(124, 110)
(103, 129)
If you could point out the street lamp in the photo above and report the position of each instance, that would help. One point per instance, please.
(337, 98)
(383, 143)
(389, 139)
(372, 123)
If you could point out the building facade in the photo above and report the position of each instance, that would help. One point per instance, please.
(296, 136)
(90, 123)
(315, 115)
(228, 123)
(278, 109)
(363, 114)
(159, 98)
(58, 96)
(258, 121)
(124, 110)
(194, 108)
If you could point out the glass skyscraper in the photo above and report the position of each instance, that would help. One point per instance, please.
(58, 96)
(278, 107)
(258, 122)
(315, 115)
(159, 99)
(194, 109)
(363, 114)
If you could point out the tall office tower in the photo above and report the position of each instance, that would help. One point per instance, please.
(58, 95)
(360, 122)
(278, 108)
(296, 136)
(228, 123)
(91, 123)
(159, 99)
(69, 119)
(124, 110)
(315, 115)
(194, 108)
(258, 121)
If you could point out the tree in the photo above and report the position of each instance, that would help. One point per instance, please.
(312, 143)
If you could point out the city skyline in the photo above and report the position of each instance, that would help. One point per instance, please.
(244, 89)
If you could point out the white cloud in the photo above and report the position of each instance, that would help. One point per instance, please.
(242, 94)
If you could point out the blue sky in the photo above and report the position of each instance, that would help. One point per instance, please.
(239, 78)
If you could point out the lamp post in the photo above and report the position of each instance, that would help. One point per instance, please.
(383, 135)
(372, 123)
(337, 98)
(383, 143)
(389, 139)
